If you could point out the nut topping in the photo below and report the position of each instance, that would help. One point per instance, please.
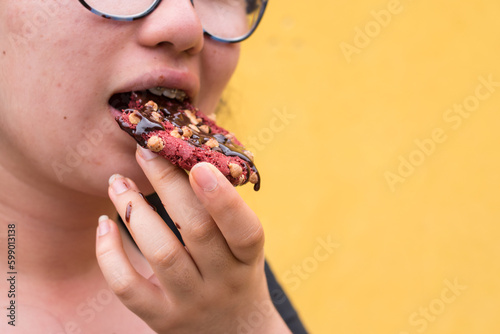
(151, 106)
(194, 128)
(175, 133)
(205, 128)
(155, 144)
(254, 178)
(212, 142)
(155, 115)
(186, 132)
(235, 170)
(192, 117)
(134, 117)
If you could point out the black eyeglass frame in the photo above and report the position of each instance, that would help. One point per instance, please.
(156, 3)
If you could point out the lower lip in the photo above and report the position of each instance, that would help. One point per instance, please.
(114, 112)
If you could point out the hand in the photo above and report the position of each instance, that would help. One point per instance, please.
(214, 284)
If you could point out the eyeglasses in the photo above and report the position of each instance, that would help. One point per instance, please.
(228, 21)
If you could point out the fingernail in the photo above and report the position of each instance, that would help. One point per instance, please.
(103, 225)
(205, 176)
(103, 218)
(119, 184)
(146, 154)
(114, 177)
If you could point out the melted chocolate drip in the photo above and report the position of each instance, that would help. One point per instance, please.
(145, 126)
(128, 212)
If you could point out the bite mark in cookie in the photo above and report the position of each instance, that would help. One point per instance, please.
(180, 133)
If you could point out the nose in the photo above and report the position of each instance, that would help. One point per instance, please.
(174, 23)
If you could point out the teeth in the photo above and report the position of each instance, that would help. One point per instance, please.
(157, 91)
(181, 95)
(171, 93)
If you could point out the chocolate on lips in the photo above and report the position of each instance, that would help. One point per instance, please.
(181, 134)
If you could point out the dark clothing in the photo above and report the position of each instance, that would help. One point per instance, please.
(283, 304)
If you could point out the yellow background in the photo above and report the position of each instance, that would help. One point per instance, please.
(354, 119)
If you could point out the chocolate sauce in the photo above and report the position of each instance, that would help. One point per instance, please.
(146, 200)
(145, 125)
(128, 212)
(173, 112)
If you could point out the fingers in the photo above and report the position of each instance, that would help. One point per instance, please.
(171, 185)
(172, 265)
(135, 291)
(238, 223)
(200, 233)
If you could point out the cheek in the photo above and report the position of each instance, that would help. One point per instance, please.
(47, 73)
(219, 61)
(34, 51)
(48, 89)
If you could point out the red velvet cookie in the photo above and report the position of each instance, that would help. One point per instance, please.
(180, 133)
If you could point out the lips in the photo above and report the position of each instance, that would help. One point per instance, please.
(172, 83)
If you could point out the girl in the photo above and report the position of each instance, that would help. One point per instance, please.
(65, 163)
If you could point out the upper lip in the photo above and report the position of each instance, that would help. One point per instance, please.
(168, 78)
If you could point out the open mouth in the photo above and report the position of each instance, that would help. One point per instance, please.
(161, 95)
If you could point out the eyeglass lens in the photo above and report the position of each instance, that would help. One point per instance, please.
(225, 19)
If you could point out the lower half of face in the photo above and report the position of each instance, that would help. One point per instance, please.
(59, 66)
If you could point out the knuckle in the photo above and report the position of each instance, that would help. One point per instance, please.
(253, 238)
(183, 281)
(123, 287)
(234, 283)
(203, 232)
(165, 257)
(104, 252)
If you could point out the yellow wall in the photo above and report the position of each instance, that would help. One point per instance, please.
(330, 129)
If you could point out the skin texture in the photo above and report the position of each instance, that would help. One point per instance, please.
(59, 65)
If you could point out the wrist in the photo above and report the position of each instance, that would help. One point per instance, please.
(275, 325)
(262, 319)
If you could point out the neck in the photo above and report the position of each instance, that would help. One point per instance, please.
(55, 227)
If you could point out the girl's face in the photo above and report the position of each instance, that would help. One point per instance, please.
(60, 65)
